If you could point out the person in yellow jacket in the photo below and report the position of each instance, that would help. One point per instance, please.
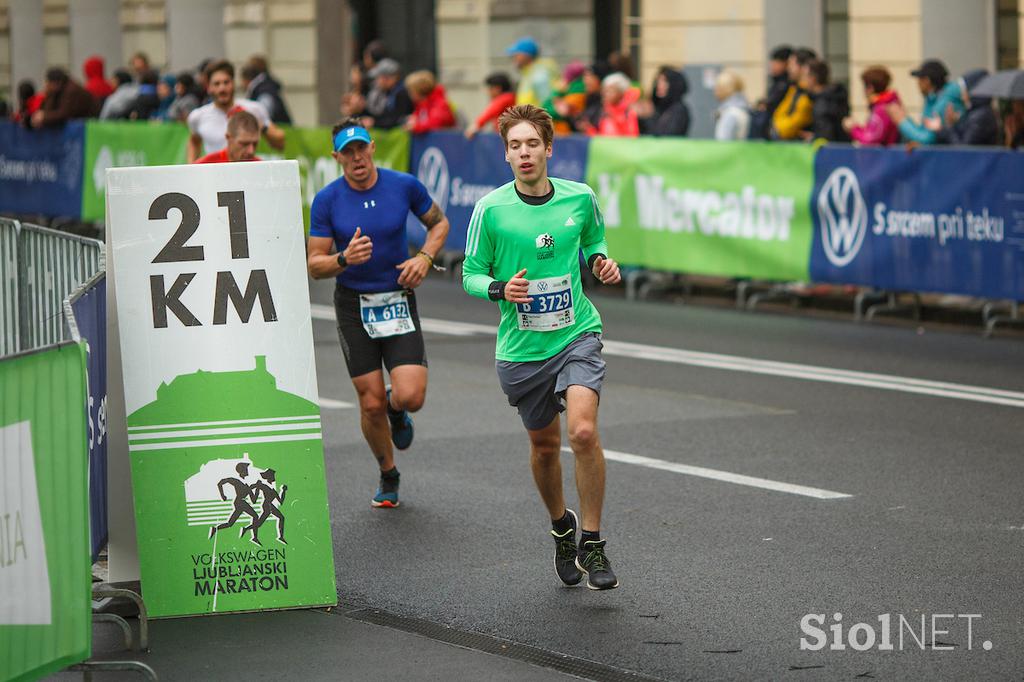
(796, 110)
(538, 77)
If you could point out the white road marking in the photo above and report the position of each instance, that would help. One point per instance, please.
(735, 363)
(332, 404)
(724, 476)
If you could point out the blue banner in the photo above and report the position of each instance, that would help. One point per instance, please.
(948, 221)
(90, 311)
(458, 172)
(41, 170)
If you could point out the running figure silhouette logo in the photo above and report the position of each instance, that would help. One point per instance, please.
(226, 491)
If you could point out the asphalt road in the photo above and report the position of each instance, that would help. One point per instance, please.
(716, 574)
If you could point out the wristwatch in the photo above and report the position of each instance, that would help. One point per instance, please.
(341, 260)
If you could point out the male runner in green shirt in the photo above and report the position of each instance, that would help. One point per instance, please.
(549, 339)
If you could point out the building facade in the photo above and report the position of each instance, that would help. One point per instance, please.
(310, 44)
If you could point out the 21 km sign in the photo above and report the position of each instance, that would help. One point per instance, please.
(220, 387)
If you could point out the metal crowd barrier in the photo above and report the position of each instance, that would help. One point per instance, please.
(39, 267)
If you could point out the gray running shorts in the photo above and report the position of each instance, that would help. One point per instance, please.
(538, 388)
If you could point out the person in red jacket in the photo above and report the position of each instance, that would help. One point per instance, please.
(499, 87)
(29, 102)
(243, 135)
(618, 118)
(97, 85)
(880, 128)
(431, 109)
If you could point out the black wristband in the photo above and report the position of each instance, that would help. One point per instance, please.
(590, 261)
(496, 290)
(341, 260)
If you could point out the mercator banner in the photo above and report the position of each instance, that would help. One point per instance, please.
(224, 437)
(732, 209)
(45, 581)
(945, 221)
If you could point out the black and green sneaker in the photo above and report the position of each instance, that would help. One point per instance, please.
(565, 552)
(592, 561)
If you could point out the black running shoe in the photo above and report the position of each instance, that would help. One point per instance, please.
(592, 561)
(565, 553)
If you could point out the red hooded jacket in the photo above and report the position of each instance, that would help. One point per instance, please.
(95, 83)
(432, 112)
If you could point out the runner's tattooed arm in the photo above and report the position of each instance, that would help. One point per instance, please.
(416, 268)
(437, 229)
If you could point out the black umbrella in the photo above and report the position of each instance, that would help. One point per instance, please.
(1007, 84)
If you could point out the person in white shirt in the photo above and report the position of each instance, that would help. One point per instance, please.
(209, 123)
(732, 118)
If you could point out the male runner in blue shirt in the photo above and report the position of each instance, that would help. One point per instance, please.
(362, 215)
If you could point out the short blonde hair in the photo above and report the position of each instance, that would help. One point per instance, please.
(728, 83)
(420, 82)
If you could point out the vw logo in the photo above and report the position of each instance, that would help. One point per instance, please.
(843, 215)
(433, 173)
(542, 286)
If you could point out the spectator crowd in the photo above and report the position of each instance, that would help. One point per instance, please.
(802, 102)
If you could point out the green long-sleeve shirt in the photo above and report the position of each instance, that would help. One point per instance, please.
(507, 235)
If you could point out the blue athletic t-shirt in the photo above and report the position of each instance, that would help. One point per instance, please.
(380, 211)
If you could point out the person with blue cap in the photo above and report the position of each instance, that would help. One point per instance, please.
(538, 76)
(357, 235)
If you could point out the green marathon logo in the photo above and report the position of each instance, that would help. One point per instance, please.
(545, 247)
(226, 493)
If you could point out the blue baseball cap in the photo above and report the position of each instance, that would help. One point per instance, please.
(351, 134)
(525, 45)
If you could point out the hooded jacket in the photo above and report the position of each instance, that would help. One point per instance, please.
(433, 112)
(880, 128)
(95, 82)
(831, 106)
(671, 115)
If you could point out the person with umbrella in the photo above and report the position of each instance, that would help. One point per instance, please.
(978, 125)
(1008, 85)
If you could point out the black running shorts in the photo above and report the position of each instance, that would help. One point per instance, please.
(364, 354)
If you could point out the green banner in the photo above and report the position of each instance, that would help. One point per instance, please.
(311, 147)
(45, 581)
(117, 144)
(732, 209)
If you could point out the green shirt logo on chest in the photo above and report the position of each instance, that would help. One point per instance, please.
(545, 246)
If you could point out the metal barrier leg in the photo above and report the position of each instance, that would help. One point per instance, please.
(742, 287)
(991, 319)
(120, 622)
(634, 279)
(101, 591)
(892, 305)
(88, 667)
(778, 292)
